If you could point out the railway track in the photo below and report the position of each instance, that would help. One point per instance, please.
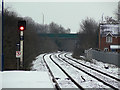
(79, 86)
(77, 74)
(83, 68)
(93, 68)
(53, 78)
(57, 86)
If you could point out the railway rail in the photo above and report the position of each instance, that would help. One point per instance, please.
(57, 86)
(79, 86)
(93, 68)
(81, 68)
(53, 78)
(76, 74)
(75, 64)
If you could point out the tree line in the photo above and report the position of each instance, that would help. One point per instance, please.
(88, 36)
(33, 43)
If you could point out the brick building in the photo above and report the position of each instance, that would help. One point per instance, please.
(109, 37)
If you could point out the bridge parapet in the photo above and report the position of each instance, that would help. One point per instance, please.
(72, 36)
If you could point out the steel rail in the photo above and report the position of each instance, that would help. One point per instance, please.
(93, 68)
(88, 73)
(80, 87)
(53, 78)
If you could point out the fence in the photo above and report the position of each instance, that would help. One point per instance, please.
(107, 57)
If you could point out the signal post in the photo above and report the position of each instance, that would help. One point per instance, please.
(21, 48)
(21, 27)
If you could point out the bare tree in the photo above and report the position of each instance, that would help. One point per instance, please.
(33, 43)
(88, 36)
(88, 25)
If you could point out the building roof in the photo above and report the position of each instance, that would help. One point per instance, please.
(109, 34)
(110, 29)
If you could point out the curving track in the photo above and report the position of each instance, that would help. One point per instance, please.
(65, 73)
(53, 78)
(108, 80)
(70, 83)
(53, 64)
(116, 78)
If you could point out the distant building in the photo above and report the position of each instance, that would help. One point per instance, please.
(109, 37)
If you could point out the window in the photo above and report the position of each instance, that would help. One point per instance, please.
(109, 39)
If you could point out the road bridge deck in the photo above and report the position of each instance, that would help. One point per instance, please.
(60, 35)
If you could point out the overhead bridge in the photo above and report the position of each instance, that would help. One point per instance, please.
(66, 42)
(72, 36)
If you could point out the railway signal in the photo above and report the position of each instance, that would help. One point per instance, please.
(21, 28)
(22, 25)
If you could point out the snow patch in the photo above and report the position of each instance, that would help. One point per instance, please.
(26, 79)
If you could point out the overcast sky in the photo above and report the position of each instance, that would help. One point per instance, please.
(67, 14)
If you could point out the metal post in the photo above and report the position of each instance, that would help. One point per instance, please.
(18, 64)
(21, 49)
(2, 63)
(18, 59)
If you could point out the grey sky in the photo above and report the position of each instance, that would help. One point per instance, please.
(67, 14)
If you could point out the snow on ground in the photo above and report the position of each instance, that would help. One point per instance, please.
(61, 78)
(96, 74)
(39, 65)
(113, 70)
(77, 74)
(26, 79)
(41, 79)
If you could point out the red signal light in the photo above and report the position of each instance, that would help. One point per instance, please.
(21, 28)
(21, 25)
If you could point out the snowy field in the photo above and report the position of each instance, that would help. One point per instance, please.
(39, 65)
